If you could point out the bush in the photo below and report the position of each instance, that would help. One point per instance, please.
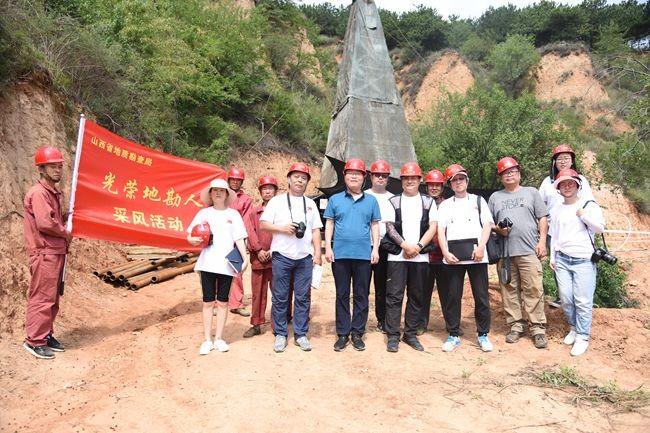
(625, 165)
(511, 60)
(479, 128)
(476, 47)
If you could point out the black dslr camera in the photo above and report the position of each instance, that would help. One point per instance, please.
(300, 229)
(604, 255)
(505, 223)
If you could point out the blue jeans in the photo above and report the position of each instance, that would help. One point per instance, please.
(576, 280)
(301, 270)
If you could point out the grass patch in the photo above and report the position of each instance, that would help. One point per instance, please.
(567, 377)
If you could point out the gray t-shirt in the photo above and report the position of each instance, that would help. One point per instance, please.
(524, 208)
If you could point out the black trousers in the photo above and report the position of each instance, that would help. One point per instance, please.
(379, 276)
(357, 272)
(453, 295)
(436, 277)
(414, 278)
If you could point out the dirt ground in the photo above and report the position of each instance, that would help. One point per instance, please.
(132, 361)
(132, 364)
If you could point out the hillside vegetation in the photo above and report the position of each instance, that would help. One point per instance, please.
(196, 78)
(501, 114)
(206, 79)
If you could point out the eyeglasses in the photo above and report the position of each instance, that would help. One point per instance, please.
(510, 172)
(564, 159)
(381, 175)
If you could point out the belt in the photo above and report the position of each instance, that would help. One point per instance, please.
(566, 256)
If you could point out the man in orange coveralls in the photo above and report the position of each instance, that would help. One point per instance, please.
(46, 241)
(242, 204)
(259, 245)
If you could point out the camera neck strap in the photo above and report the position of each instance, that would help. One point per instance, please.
(587, 227)
(304, 207)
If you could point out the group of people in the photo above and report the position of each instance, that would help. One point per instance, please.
(407, 244)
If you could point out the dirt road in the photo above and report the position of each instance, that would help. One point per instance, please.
(132, 365)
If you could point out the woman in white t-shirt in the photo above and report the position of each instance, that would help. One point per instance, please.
(228, 231)
(463, 232)
(562, 158)
(572, 245)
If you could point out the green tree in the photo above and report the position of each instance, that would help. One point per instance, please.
(479, 128)
(611, 40)
(459, 31)
(511, 60)
(476, 47)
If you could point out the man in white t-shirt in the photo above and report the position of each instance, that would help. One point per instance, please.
(295, 223)
(464, 229)
(410, 224)
(379, 173)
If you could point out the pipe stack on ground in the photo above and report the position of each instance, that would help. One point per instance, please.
(139, 273)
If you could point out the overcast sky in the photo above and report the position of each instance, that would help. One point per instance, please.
(462, 8)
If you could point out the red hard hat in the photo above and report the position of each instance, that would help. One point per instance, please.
(355, 164)
(567, 174)
(236, 173)
(202, 230)
(434, 176)
(380, 166)
(506, 163)
(299, 167)
(410, 169)
(562, 148)
(47, 155)
(267, 180)
(453, 170)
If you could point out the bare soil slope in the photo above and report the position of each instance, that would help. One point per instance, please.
(448, 74)
(571, 78)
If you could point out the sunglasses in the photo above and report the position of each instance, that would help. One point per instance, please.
(381, 175)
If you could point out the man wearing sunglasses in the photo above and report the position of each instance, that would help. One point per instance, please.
(379, 173)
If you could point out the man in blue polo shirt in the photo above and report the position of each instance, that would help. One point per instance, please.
(353, 218)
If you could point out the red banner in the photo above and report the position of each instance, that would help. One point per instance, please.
(125, 192)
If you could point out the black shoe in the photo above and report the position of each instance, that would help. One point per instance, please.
(252, 331)
(392, 345)
(380, 327)
(357, 342)
(54, 344)
(342, 341)
(42, 352)
(414, 343)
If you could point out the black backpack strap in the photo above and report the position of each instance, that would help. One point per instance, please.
(602, 235)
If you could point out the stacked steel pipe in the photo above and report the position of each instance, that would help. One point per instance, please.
(139, 273)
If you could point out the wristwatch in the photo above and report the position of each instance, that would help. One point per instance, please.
(420, 245)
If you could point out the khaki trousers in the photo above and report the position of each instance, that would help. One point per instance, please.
(525, 288)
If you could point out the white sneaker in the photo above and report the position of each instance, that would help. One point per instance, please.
(570, 337)
(303, 343)
(484, 343)
(579, 347)
(280, 344)
(205, 348)
(221, 345)
(450, 344)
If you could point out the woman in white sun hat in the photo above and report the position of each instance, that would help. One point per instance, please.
(572, 245)
(218, 229)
